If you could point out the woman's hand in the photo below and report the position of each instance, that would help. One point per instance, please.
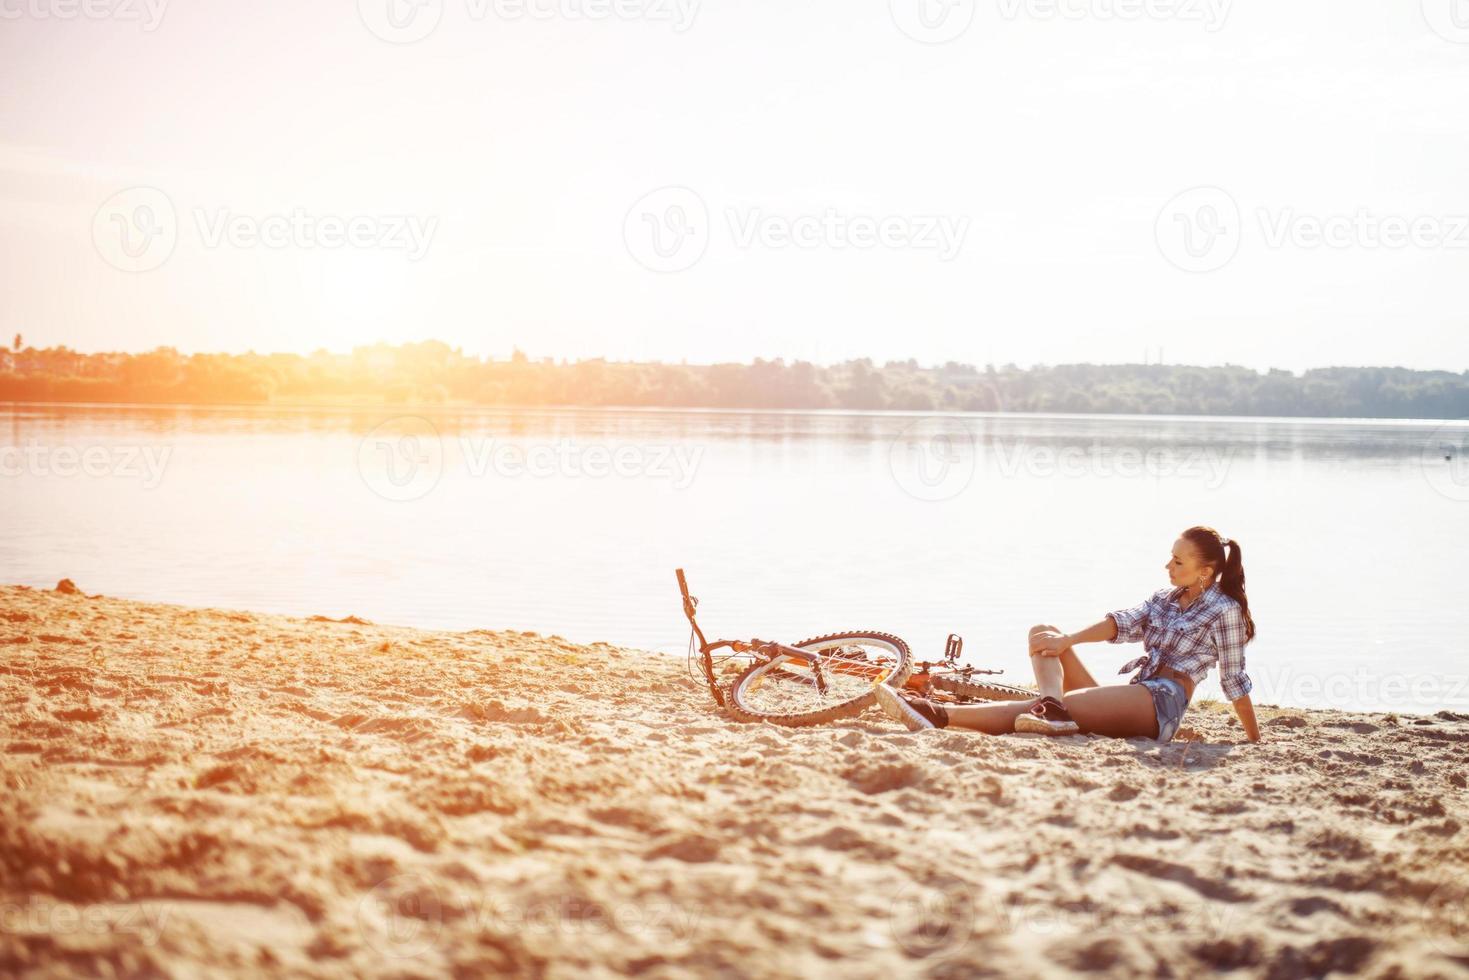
(1049, 644)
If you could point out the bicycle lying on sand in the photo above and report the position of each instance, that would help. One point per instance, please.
(830, 676)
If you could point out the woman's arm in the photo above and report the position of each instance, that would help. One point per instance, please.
(1245, 709)
(1053, 644)
(1230, 637)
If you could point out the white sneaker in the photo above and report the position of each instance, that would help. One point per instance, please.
(898, 709)
(1047, 717)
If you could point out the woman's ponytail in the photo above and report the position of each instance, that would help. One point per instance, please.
(1226, 556)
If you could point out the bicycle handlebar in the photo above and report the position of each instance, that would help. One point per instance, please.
(690, 605)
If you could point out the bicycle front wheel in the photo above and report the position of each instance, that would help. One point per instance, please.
(788, 691)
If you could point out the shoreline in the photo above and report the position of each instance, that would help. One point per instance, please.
(1448, 711)
(217, 790)
(488, 408)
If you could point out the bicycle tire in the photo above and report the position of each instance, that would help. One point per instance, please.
(982, 690)
(742, 706)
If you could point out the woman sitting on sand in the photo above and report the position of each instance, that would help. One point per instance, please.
(1185, 630)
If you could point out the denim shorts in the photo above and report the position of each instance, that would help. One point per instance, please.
(1169, 701)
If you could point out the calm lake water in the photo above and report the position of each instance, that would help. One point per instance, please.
(789, 524)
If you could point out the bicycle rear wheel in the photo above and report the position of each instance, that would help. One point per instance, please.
(784, 690)
(981, 690)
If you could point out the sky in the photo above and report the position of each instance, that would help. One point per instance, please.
(1011, 181)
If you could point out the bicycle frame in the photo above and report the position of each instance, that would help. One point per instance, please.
(920, 680)
(755, 647)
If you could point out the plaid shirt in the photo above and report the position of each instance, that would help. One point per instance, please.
(1190, 640)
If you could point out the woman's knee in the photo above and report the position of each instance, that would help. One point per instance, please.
(1042, 628)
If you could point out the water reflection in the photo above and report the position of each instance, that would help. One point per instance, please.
(1275, 439)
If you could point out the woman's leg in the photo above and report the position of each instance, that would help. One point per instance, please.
(995, 718)
(1056, 675)
(1117, 710)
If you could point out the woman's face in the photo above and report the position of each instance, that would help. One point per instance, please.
(1184, 567)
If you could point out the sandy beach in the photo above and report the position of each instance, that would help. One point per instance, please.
(192, 791)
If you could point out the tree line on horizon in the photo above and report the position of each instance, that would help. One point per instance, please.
(433, 373)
